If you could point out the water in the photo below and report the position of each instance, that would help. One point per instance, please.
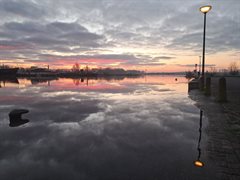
(100, 129)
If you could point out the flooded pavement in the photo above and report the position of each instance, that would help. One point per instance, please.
(100, 129)
(223, 145)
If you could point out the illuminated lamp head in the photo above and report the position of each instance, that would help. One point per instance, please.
(205, 9)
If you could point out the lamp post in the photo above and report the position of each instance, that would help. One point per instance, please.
(199, 71)
(204, 10)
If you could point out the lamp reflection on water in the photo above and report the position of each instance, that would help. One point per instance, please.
(199, 163)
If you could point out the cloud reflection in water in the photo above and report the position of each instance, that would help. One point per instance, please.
(132, 131)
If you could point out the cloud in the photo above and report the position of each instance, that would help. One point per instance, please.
(97, 59)
(153, 28)
(55, 33)
(221, 30)
(163, 58)
(74, 141)
(26, 9)
(193, 65)
(30, 39)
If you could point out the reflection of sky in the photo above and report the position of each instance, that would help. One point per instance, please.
(145, 128)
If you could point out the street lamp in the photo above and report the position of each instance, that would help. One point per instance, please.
(204, 10)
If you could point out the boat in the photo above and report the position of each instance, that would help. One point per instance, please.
(8, 71)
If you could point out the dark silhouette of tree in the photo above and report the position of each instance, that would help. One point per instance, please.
(233, 68)
(76, 67)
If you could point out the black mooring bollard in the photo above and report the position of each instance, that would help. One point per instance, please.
(208, 86)
(222, 90)
(15, 117)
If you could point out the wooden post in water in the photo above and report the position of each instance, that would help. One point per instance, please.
(208, 86)
(222, 90)
(201, 83)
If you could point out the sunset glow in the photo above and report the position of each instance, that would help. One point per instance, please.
(156, 36)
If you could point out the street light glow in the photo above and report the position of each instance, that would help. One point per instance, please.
(198, 163)
(205, 9)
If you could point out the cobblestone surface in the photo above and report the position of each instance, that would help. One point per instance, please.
(223, 131)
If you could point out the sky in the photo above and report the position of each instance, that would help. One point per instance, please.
(150, 35)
